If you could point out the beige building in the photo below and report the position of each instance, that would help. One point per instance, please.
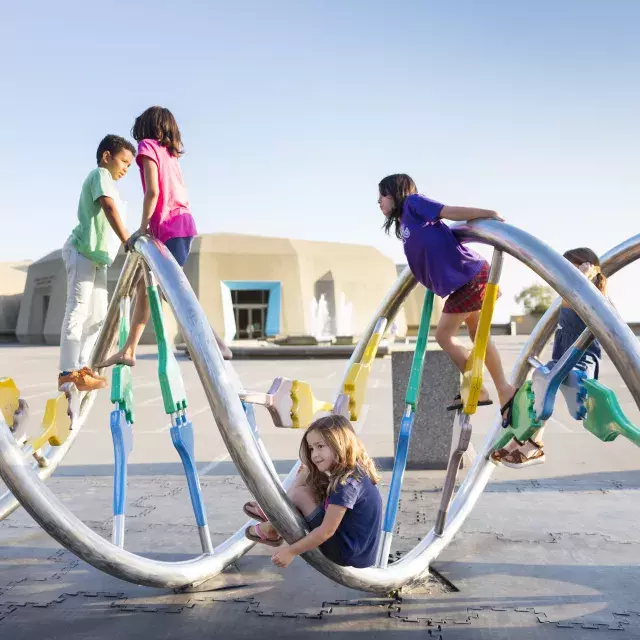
(250, 287)
(13, 276)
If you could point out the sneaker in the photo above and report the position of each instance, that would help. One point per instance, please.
(83, 380)
(92, 373)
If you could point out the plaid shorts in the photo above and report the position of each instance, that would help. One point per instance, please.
(469, 297)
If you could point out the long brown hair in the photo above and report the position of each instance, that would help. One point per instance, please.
(398, 186)
(351, 456)
(158, 123)
(580, 256)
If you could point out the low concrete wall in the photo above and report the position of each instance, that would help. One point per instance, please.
(433, 425)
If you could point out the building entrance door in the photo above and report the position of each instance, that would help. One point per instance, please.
(250, 311)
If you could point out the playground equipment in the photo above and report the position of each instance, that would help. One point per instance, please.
(293, 404)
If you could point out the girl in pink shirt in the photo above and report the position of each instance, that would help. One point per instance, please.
(166, 214)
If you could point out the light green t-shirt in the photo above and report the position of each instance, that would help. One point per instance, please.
(93, 237)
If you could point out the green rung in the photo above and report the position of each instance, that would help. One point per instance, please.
(174, 396)
(121, 380)
(605, 418)
(417, 366)
(523, 418)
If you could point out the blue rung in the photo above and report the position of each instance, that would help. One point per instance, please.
(399, 466)
(545, 382)
(183, 440)
(575, 393)
(251, 416)
(122, 435)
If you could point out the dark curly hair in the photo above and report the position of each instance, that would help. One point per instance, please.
(113, 144)
(158, 123)
(398, 186)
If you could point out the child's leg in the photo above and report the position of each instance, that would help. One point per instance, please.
(446, 337)
(302, 498)
(97, 315)
(493, 362)
(139, 320)
(80, 283)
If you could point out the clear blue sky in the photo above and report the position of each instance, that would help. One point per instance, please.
(291, 112)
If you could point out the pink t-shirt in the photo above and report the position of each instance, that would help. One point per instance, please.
(172, 217)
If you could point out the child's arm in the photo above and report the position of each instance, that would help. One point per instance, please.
(330, 523)
(113, 216)
(468, 213)
(151, 191)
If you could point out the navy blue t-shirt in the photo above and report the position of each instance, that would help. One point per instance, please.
(356, 539)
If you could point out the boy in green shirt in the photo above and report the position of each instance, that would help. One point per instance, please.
(91, 248)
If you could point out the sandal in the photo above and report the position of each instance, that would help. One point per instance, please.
(457, 406)
(253, 510)
(516, 459)
(508, 407)
(261, 537)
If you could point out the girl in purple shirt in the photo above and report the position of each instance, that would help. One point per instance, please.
(447, 268)
(166, 214)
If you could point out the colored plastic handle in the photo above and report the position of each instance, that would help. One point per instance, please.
(399, 466)
(545, 382)
(171, 384)
(305, 405)
(605, 418)
(417, 366)
(355, 385)
(575, 393)
(406, 425)
(56, 423)
(122, 435)
(121, 380)
(523, 418)
(472, 377)
(183, 440)
(9, 399)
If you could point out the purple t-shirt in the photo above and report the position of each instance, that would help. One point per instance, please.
(434, 255)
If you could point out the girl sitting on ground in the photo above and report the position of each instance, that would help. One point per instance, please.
(335, 490)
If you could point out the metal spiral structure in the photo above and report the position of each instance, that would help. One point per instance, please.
(251, 460)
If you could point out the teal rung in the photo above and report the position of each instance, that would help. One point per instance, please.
(523, 418)
(605, 418)
(417, 366)
(174, 396)
(121, 380)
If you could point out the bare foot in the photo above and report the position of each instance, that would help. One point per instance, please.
(506, 393)
(121, 357)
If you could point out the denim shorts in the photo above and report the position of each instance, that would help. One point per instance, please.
(179, 248)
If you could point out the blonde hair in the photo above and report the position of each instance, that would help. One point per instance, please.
(351, 459)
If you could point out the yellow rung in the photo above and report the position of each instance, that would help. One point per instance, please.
(472, 377)
(305, 405)
(56, 423)
(9, 399)
(355, 385)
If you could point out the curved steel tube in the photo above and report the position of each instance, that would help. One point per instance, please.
(66, 528)
(413, 568)
(54, 455)
(248, 456)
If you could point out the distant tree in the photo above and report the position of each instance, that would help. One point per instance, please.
(535, 299)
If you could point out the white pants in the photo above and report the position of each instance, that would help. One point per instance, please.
(87, 302)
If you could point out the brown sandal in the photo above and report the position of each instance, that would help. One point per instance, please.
(516, 459)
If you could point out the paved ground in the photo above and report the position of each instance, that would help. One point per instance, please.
(549, 552)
